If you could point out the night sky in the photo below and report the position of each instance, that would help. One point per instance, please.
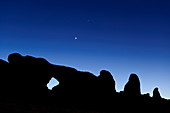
(121, 36)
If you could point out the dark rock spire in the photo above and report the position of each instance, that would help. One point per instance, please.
(132, 88)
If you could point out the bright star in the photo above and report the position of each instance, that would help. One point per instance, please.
(75, 38)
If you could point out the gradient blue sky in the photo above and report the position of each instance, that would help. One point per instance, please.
(121, 36)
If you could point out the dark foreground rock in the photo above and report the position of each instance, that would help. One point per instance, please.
(23, 86)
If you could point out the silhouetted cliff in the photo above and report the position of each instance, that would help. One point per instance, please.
(23, 89)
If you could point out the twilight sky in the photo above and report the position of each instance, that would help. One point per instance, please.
(121, 36)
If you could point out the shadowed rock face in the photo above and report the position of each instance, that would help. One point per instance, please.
(28, 76)
(25, 78)
(132, 88)
(156, 94)
(106, 81)
(34, 73)
(2, 62)
(83, 86)
(15, 58)
(4, 76)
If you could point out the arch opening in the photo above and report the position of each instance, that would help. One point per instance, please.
(52, 83)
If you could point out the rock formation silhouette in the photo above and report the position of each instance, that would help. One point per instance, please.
(107, 82)
(132, 88)
(156, 94)
(24, 79)
(28, 76)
